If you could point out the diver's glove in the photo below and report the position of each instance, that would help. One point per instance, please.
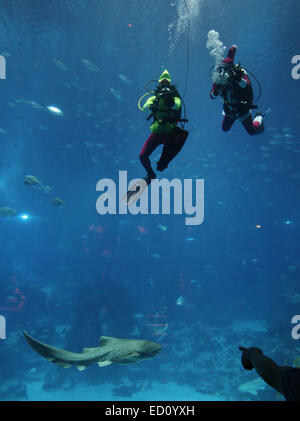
(247, 355)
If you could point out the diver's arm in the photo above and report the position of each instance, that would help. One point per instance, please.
(149, 103)
(177, 103)
(244, 82)
(265, 367)
(215, 90)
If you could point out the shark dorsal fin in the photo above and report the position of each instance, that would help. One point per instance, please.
(105, 340)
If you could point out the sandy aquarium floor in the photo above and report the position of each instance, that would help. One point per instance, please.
(167, 392)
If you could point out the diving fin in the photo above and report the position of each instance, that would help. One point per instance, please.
(135, 192)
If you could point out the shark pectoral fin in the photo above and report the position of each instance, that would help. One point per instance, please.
(62, 364)
(134, 354)
(81, 367)
(104, 363)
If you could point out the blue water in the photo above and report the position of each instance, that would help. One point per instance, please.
(69, 275)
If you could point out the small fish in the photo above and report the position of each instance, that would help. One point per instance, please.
(88, 144)
(56, 201)
(89, 65)
(125, 79)
(60, 64)
(54, 110)
(31, 180)
(70, 146)
(117, 94)
(47, 189)
(3, 131)
(180, 301)
(32, 104)
(6, 211)
(12, 104)
(162, 227)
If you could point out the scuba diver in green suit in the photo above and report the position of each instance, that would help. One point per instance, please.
(165, 107)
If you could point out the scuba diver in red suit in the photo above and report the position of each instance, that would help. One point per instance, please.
(234, 86)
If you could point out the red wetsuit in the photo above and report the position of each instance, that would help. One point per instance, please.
(237, 101)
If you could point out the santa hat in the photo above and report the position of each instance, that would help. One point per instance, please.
(230, 55)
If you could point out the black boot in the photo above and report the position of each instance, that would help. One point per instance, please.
(149, 178)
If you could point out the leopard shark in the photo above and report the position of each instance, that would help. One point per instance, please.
(111, 351)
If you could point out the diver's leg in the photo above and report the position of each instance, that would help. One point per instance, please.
(153, 141)
(253, 127)
(173, 142)
(227, 123)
